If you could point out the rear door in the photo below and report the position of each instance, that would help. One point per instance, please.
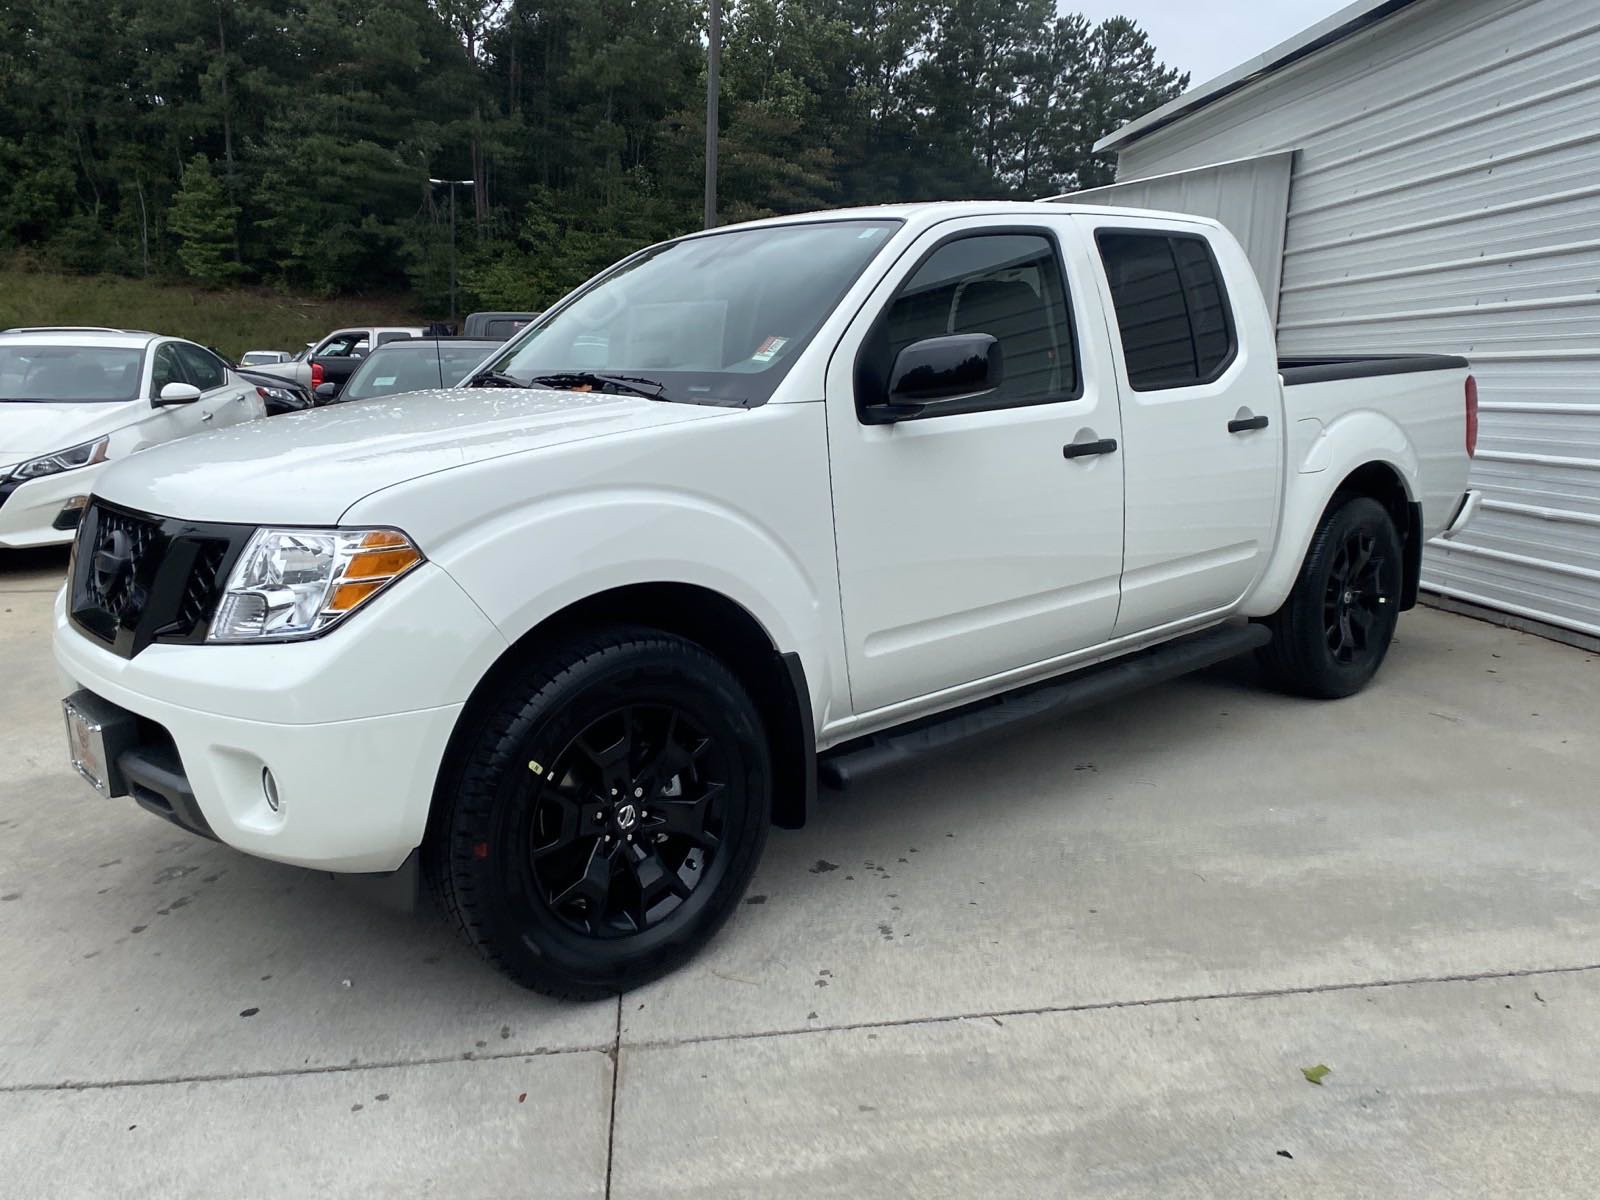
(970, 547)
(1202, 411)
(225, 399)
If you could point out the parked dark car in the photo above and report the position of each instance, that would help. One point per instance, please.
(413, 365)
(280, 395)
(499, 325)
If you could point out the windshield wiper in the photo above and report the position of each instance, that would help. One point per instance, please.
(495, 379)
(650, 389)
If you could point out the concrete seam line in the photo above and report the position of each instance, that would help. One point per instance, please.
(616, 1074)
(1104, 1005)
(613, 1048)
(88, 1085)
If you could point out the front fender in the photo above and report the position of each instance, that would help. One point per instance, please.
(1325, 460)
(738, 505)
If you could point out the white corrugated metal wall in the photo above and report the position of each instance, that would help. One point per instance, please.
(1446, 197)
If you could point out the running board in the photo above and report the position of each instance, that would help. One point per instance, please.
(854, 761)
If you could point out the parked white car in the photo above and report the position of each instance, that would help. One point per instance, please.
(73, 400)
(764, 506)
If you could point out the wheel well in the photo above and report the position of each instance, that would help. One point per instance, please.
(1383, 483)
(776, 682)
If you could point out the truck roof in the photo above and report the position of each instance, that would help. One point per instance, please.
(932, 212)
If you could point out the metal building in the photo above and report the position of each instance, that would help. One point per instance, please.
(1425, 175)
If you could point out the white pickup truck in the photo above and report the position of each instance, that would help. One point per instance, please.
(758, 508)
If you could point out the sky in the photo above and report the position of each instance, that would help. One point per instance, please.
(1208, 37)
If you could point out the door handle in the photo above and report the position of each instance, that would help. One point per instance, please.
(1245, 424)
(1082, 449)
(207, 416)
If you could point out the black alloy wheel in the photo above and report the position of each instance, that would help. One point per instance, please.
(603, 813)
(1331, 635)
(1354, 601)
(626, 824)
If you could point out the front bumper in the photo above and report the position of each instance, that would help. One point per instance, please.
(30, 513)
(352, 727)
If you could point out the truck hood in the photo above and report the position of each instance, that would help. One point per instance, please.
(29, 430)
(309, 467)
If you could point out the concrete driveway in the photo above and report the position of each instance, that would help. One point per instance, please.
(1088, 961)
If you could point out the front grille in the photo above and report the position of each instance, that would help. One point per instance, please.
(118, 537)
(199, 598)
(138, 578)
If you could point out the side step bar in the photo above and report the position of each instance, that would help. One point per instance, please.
(854, 761)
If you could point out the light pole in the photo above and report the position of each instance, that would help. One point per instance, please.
(452, 183)
(713, 69)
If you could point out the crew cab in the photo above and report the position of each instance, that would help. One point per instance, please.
(335, 358)
(762, 508)
(73, 399)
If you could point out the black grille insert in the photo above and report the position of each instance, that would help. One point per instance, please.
(138, 578)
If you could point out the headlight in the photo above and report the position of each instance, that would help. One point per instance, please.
(296, 583)
(85, 455)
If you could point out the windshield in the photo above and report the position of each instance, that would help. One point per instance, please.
(69, 374)
(716, 319)
(413, 368)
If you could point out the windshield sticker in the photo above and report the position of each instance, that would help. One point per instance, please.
(384, 381)
(875, 231)
(768, 350)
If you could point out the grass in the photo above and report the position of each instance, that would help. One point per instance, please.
(233, 321)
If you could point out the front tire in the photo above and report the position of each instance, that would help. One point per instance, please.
(1332, 633)
(605, 819)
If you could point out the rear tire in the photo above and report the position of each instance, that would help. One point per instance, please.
(1333, 631)
(606, 817)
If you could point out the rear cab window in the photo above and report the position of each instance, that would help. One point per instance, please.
(1171, 305)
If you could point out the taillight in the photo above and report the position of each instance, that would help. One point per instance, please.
(316, 382)
(1472, 416)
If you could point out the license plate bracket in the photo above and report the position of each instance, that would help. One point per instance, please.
(97, 734)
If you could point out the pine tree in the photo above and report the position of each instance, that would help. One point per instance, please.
(206, 221)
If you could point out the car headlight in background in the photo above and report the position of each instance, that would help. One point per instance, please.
(85, 455)
(296, 583)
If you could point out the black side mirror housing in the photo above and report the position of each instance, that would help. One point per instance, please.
(930, 375)
(326, 392)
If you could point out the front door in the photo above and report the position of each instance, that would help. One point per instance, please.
(1203, 412)
(969, 544)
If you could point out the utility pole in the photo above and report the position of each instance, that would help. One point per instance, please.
(452, 183)
(713, 71)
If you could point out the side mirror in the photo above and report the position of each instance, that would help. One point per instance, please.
(939, 371)
(326, 392)
(177, 393)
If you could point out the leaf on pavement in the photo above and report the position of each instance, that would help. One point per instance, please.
(1315, 1074)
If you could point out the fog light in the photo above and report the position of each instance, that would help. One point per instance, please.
(71, 514)
(269, 789)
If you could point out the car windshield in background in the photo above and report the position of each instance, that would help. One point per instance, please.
(415, 367)
(69, 374)
(715, 319)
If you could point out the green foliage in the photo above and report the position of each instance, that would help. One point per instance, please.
(206, 224)
(291, 141)
(254, 318)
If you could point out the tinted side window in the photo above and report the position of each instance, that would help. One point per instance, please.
(1006, 285)
(165, 369)
(1172, 310)
(205, 370)
(385, 338)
